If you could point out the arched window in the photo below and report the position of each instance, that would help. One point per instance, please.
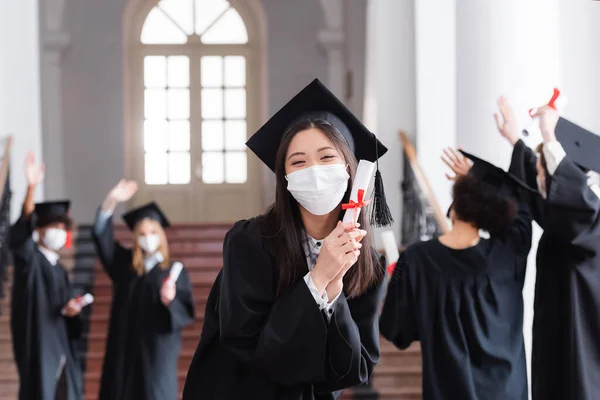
(168, 91)
(188, 91)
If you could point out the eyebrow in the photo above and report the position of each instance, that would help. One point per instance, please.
(299, 153)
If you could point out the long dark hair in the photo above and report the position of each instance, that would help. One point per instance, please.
(287, 230)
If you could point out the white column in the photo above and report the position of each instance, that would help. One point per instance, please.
(54, 46)
(509, 48)
(435, 33)
(580, 55)
(390, 88)
(332, 39)
(20, 88)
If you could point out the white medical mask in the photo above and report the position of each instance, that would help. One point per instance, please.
(54, 238)
(320, 188)
(149, 243)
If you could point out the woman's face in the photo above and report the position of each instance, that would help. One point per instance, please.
(147, 226)
(309, 148)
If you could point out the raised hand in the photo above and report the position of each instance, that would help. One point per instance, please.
(548, 120)
(507, 124)
(458, 163)
(167, 293)
(340, 251)
(124, 191)
(34, 172)
(72, 308)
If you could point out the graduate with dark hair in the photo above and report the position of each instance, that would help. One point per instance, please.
(44, 315)
(566, 324)
(150, 306)
(293, 313)
(459, 295)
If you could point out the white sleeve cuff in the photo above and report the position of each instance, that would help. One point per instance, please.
(329, 306)
(320, 299)
(554, 154)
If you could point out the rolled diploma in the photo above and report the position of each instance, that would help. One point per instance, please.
(83, 301)
(390, 247)
(362, 179)
(175, 272)
(86, 300)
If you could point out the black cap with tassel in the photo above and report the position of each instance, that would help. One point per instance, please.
(380, 212)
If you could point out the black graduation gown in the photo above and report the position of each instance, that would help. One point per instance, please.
(144, 336)
(466, 309)
(566, 325)
(254, 345)
(41, 335)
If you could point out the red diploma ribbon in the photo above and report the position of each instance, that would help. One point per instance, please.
(551, 103)
(356, 205)
(391, 267)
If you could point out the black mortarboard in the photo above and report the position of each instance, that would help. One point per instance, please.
(501, 181)
(315, 101)
(150, 210)
(496, 178)
(52, 209)
(581, 145)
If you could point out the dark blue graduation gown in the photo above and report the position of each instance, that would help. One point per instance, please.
(42, 336)
(144, 335)
(259, 346)
(466, 309)
(566, 325)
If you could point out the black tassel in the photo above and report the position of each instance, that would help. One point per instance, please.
(380, 213)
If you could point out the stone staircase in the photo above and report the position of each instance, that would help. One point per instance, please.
(9, 379)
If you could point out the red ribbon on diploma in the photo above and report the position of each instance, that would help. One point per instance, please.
(391, 267)
(356, 205)
(550, 104)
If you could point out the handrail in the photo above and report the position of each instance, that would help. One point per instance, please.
(411, 153)
(4, 167)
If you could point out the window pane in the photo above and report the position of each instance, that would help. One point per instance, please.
(212, 103)
(156, 168)
(155, 71)
(179, 103)
(229, 29)
(179, 135)
(155, 104)
(207, 11)
(212, 135)
(179, 71)
(158, 29)
(235, 103)
(235, 135)
(179, 168)
(212, 71)
(155, 136)
(181, 12)
(212, 167)
(235, 167)
(235, 71)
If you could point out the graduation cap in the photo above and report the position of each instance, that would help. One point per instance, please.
(316, 102)
(581, 145)
(52, 209)
(150, 210)
(495, 178)
(503, 183)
